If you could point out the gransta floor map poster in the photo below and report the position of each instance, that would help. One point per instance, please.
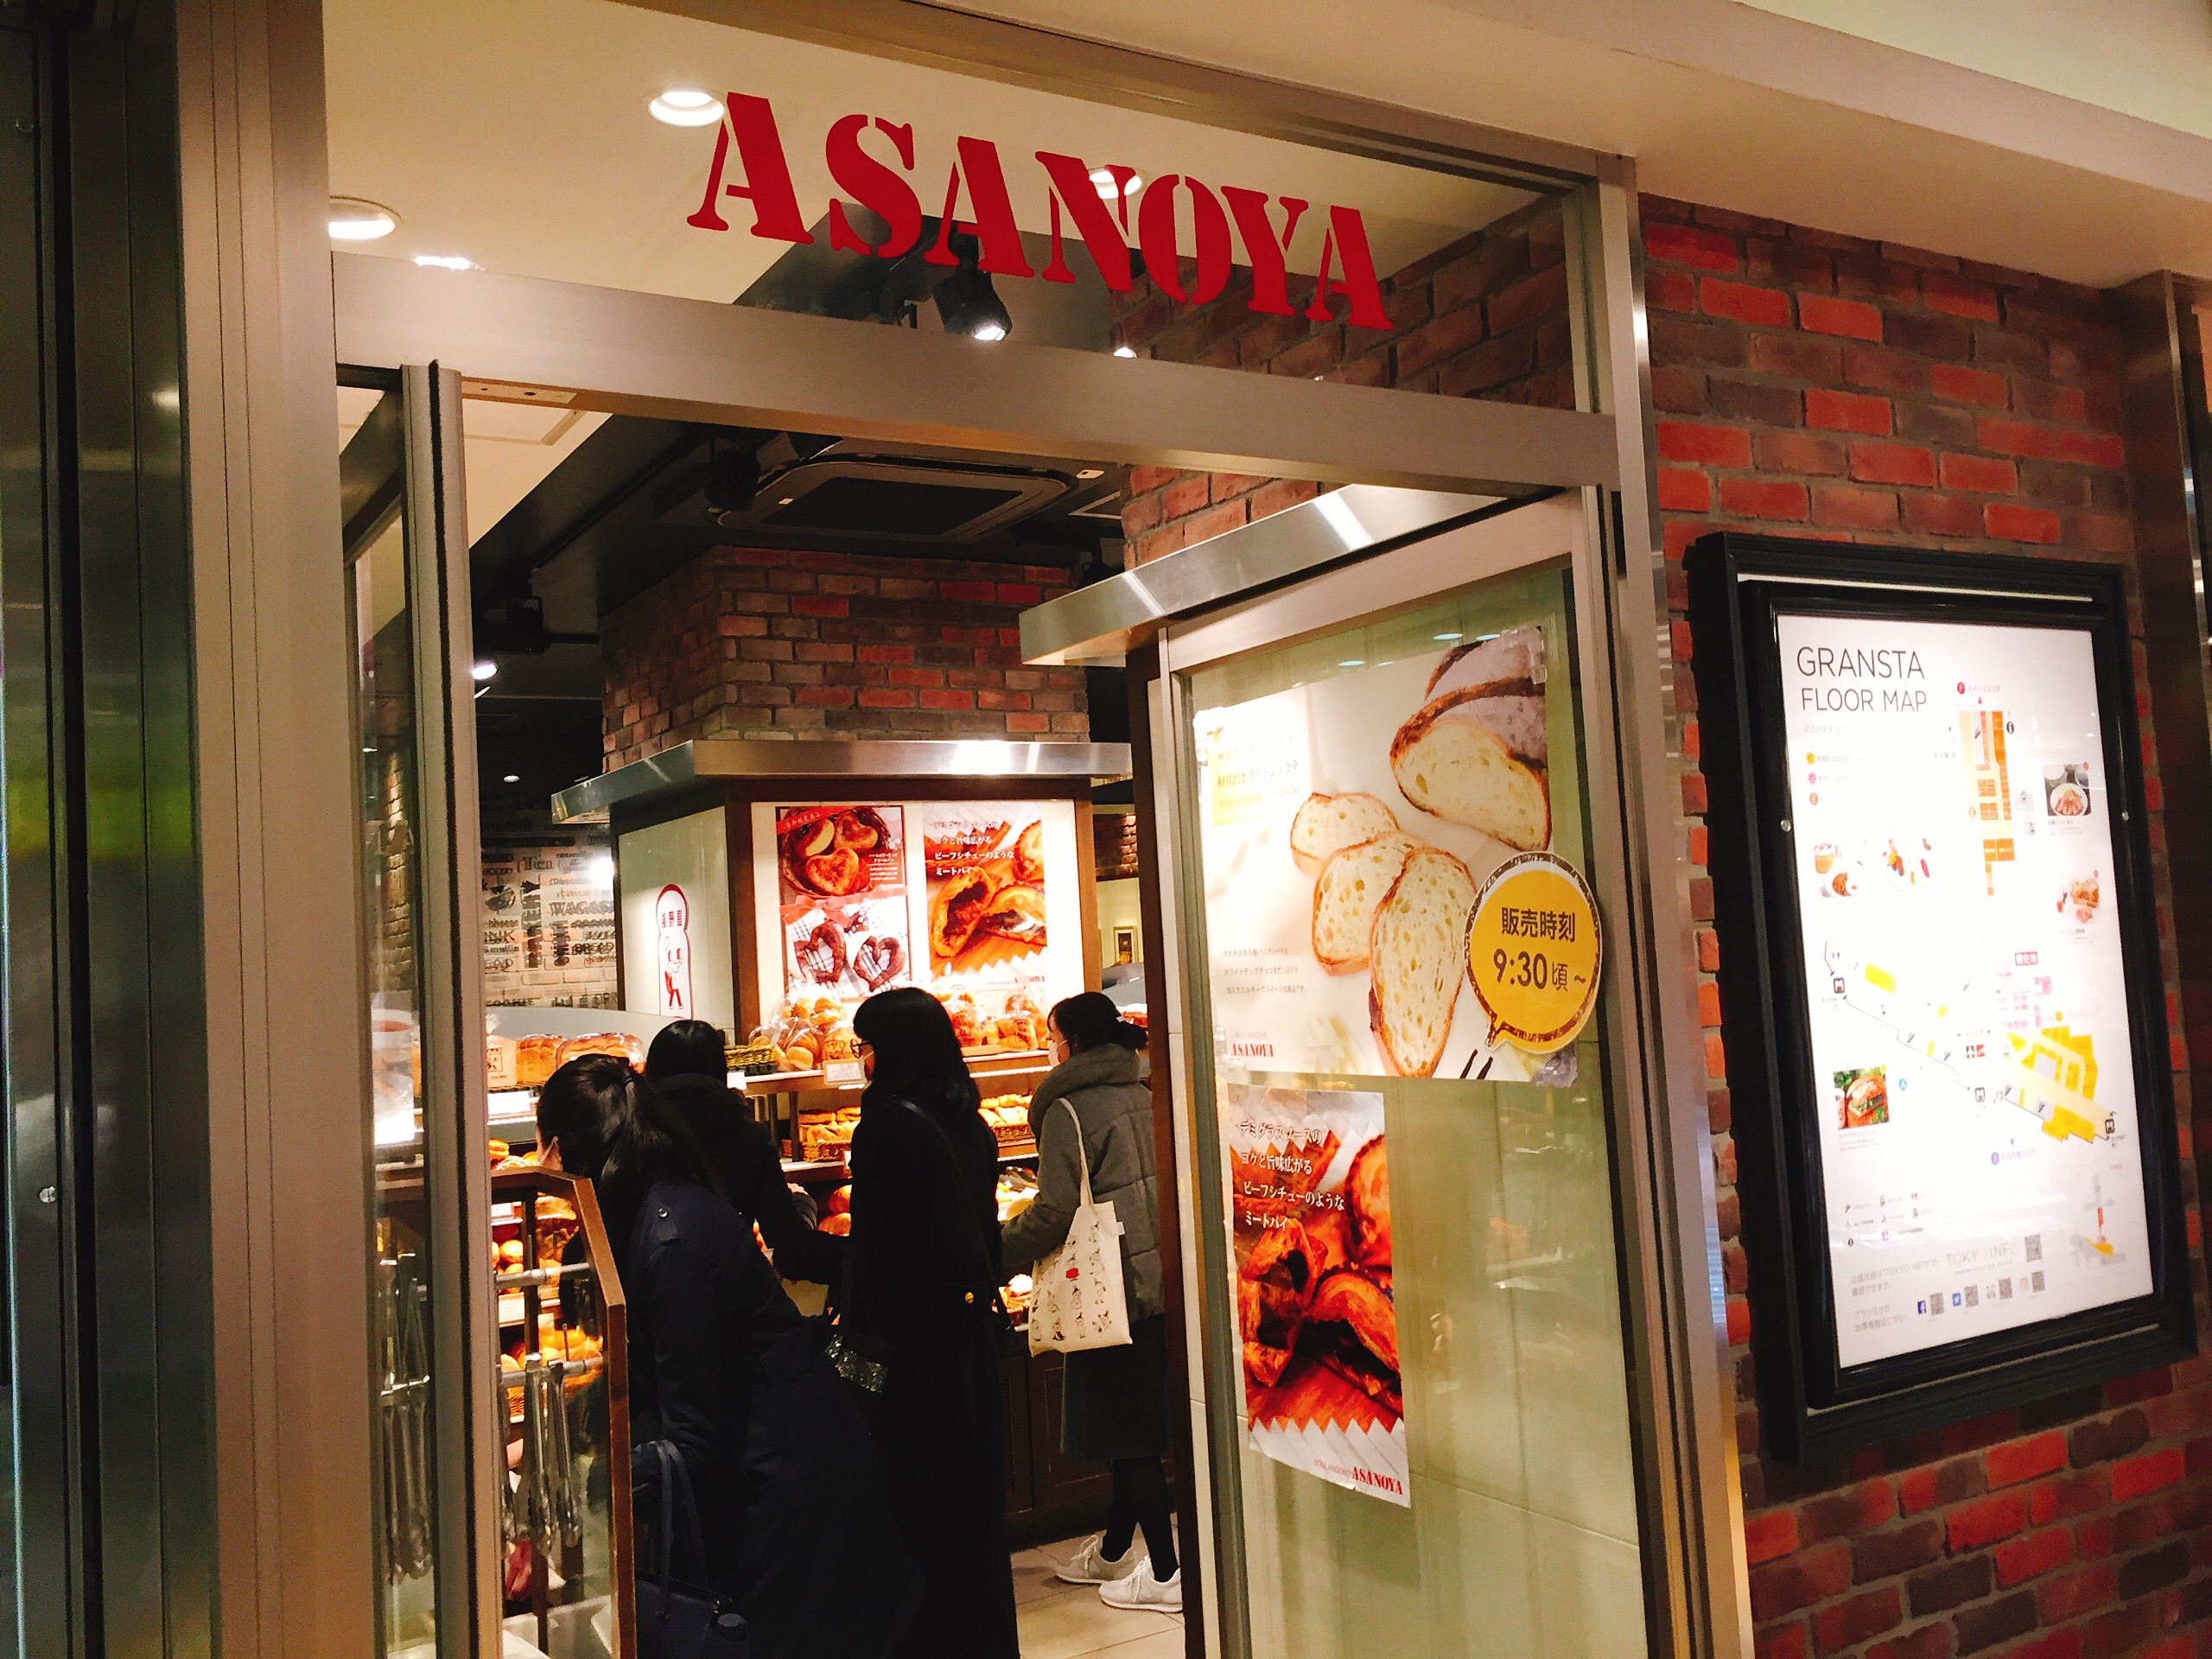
(1966, 996)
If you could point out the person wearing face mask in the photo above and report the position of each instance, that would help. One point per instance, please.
(796, 1529)
(1114, 1401)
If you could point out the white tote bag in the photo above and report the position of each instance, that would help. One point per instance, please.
(1078, 1302)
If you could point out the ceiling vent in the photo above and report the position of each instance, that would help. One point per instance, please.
(878, 500)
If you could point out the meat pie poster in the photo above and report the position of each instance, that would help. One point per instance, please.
(984, 863)
(842, 876)
(1310, 1219)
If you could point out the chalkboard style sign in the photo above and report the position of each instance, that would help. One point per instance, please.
(1940, 981)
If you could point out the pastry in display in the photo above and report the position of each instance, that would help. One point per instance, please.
(619, 1044)
(1326, 824)
(1348, 892)
(534, 1059)
(1418, 950)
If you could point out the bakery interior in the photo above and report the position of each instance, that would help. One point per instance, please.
(634, 742)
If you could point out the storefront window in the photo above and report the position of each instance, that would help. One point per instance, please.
(1416, 1233)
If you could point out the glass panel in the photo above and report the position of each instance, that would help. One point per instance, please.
(405, 1465)
(1436, 1447)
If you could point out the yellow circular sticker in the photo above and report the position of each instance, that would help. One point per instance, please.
(1533, 952)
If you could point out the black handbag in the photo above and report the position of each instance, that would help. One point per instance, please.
(675, 1619)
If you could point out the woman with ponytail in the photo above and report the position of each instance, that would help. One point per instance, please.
(1114, 1401)
(797, 1532)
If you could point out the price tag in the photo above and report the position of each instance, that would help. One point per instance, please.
(843, 1074)
(1533, 952)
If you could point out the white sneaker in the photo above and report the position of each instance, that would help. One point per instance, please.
(1091, 1564)
(1141, 1591)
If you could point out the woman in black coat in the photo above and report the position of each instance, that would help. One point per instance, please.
(687, 1070)
(789, 1492)
(925, 1268)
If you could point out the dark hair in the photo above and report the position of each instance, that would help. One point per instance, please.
(617, 1133)
(917, 1055)
(687, 1048)
(1092, 1019)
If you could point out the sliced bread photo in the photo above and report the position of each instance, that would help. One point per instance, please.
(1417, 948)
(1326, 822)
(1352, 882)
(1451, 761)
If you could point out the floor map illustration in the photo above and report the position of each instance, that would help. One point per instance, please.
(1963, 969)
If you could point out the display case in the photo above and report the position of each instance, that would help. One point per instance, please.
(564, 1395)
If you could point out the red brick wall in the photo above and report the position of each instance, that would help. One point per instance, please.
(747, 642)
(1816, 384)
(1483, 317)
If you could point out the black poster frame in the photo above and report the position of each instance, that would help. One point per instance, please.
(1811, 1405)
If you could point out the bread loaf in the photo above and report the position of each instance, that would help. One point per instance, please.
(1512, 661)
(1417, 950)
(1324, 824)
(1352, 882)
(1453, 761)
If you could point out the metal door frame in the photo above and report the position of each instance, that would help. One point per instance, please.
(641, 354)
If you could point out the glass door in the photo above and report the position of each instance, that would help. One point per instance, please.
(1399, 1080)
(436, 1538)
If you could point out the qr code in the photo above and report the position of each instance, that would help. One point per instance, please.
(1935, 1303)
(1974, 1295)
(2035, 1247)
(2003, 1290)
(2034, 1280)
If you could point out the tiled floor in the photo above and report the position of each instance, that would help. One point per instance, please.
(1068, 1621)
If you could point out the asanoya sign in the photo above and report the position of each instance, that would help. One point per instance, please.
(871, 159)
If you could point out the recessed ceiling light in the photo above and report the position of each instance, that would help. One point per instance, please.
(1125, 351)
(352, 219)
(787, 501)
(1090, 472)
(483, 669)
(1445, 638)
(445, 261)
(511, 778)
(1101, 179)
(1353, 662)
(686, 106)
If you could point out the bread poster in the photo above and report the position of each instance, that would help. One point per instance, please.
(1348, 825)
(1310, 1222)
(841, 909)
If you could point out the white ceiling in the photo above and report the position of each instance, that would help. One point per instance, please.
(514, 133)
(2021, 132)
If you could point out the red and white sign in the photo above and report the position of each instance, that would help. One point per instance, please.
(750, 165)
(672, 915)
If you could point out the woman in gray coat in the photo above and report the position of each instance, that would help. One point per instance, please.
(1115, 1399)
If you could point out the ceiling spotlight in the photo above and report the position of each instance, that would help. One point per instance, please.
(686, 106)
(1101, 179)
(445, 261)
(1353, 662)
(511, 778)
(1088, 472)
(1445, 638)
(483, 669)
(967, 304)
(1125, 351)
(352, 219)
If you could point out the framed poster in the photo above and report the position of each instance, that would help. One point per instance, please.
(1940, 984)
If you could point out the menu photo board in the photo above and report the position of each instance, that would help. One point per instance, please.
(979, 902)
(1944, 979)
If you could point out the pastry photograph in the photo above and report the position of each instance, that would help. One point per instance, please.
(986, 892)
